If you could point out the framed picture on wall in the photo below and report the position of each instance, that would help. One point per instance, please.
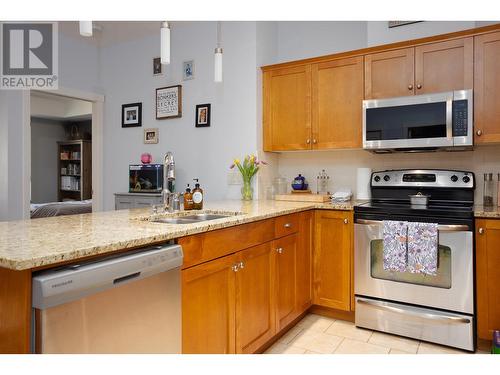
(157, 67)
(169, 102)
(131, 115)
(202, 115)
(188, 70)
(151, 135)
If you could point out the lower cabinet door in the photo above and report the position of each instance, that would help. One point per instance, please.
(208, 307)
(255, 312)
(285, 248)
(332, 259)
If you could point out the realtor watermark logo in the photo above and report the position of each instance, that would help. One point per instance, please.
(29, 55)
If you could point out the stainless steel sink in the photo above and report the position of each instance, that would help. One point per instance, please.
(190, 219)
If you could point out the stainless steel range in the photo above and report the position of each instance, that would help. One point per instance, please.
(437, 308)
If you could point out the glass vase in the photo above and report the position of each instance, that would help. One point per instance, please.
(247, 190)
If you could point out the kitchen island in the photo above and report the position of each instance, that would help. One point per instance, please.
(31, 245)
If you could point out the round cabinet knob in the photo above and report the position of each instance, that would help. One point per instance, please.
(346, 221)
(454, 178)
(410, 87)
(315, 141)
(419, 86)
(376, 178)
(308, 141)
(241, 265)
(387, 177)
(479, 132)
(279, 250)
(234, 268)
(481, 231)
(466, 179)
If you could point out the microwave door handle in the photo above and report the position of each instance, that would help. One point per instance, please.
(441, 228)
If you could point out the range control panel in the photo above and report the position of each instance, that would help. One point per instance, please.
(423, 178)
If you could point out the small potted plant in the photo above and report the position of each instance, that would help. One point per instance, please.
(248, 169)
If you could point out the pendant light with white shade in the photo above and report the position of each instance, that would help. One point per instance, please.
(165, 43)
(86, 28)
(218, 56)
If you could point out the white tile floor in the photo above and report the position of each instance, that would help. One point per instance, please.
(316, 334)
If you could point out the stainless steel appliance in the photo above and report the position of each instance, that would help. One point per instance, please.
(436, 308)
(120, 304)
(441, 121)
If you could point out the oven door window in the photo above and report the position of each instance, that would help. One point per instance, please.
(442, 279)
(406, 122)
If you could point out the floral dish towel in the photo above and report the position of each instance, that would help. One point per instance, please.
(395, 250)
(422, 248)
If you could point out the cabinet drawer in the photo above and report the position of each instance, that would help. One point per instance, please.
(207, 246)
(285, 225)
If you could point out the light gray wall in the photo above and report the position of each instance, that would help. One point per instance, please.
(4, 134)
(44, 137)
(203, 153)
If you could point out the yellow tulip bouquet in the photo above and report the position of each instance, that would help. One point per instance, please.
(248, 169)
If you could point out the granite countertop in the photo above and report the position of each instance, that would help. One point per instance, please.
(28, 244)
(487, 212)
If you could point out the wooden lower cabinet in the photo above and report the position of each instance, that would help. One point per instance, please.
(487, 277)
(303, 262)
(255, 312)
(208, 307)
(286, 251)
(333, 240)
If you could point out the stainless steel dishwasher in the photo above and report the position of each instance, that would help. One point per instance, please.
(119, 304)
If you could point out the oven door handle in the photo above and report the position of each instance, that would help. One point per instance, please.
(383, 306)
(441, 228)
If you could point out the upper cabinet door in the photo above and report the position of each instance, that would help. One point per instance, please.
(337, 103)
(389, 74)
(444, 66)
(486, 84)
(287, 109)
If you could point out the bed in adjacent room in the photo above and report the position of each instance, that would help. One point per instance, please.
(39, 210)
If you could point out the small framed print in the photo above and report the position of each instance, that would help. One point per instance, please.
(202, 115)
(169, 102)
(157, 67)
(131, 115)
(151, 135)
(188, 70)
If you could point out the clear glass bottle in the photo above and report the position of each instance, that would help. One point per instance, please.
(489, 190)
(322, 183)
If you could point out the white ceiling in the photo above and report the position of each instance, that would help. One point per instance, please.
(111, 32)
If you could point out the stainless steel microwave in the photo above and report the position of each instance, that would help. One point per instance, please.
(441, 121)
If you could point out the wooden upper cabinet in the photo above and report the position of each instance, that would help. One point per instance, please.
(332, 259)
(255, 312)
(285, 248)
(389, 74)
(208, 307)
(487, 277)
(486, 88)
(337, 101)
(444, 66)
(287, 109)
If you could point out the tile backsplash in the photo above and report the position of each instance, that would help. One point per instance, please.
(341, 165)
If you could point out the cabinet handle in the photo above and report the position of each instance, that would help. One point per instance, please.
(287, 225)
(279, 250)
(479, 133)
(346, 221)
(481, 230)
(234, 267)
(419, 86)
(308, 141)
(315, 141)
(410, 87)
(241, 265)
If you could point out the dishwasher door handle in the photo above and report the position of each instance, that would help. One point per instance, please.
(126, 278)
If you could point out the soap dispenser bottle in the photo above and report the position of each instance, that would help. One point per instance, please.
(197, 196)
(188, 199)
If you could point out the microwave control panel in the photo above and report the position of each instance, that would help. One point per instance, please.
(460, 115)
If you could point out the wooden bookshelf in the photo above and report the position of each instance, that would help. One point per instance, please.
(75, 170)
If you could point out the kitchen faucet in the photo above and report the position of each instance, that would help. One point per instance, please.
(171, 200)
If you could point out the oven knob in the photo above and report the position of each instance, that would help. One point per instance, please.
(454, 178)
(466, 179)
(376, 178)
(387, 178)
